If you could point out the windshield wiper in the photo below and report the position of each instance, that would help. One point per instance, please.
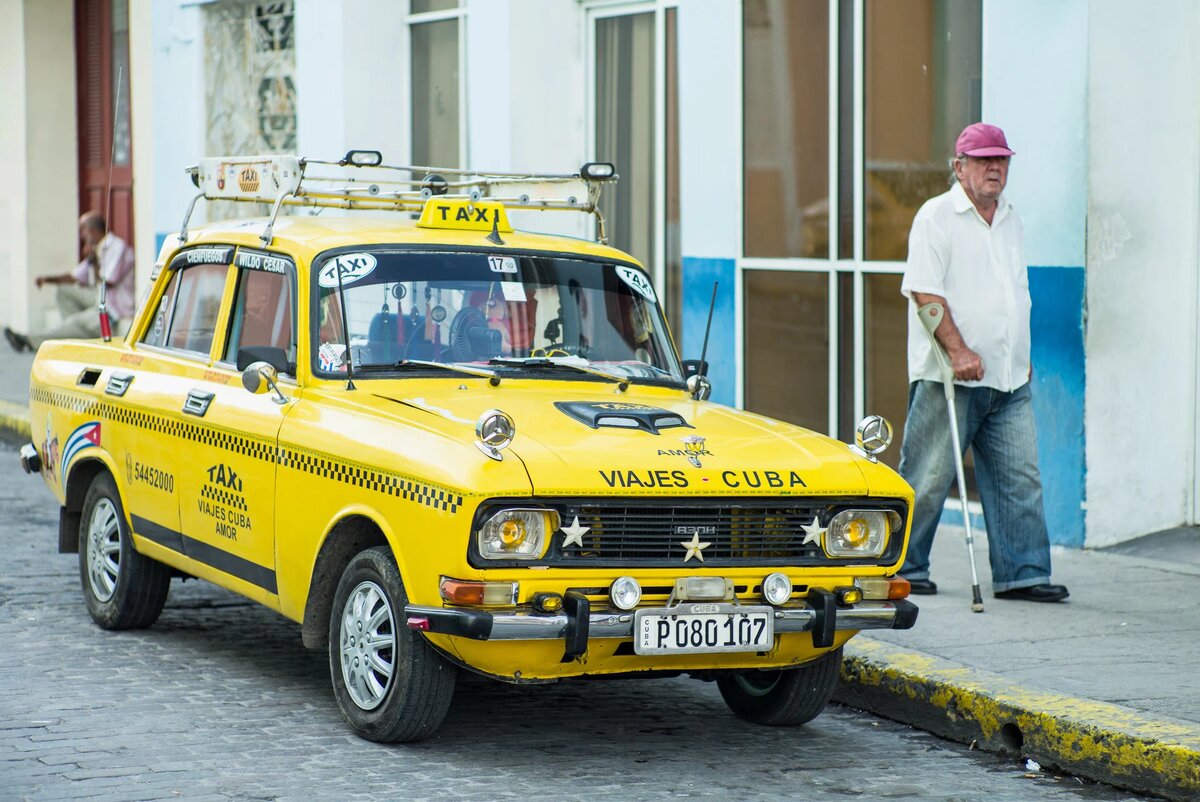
(571, 362)
(492, 376)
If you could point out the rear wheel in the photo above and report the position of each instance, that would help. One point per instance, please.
(785, 698)
(390, 684)
(121, 588)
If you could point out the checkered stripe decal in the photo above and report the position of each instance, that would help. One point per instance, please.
(362, 476)
(220, 496)
(311, 462)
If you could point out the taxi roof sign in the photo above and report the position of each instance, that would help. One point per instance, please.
(262, 178)
(464, 215)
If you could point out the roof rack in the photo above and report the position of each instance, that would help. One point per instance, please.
(288, 180)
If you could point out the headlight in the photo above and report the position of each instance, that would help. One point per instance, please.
(777, 588)
(517, 534)
(858, 533)
(625, 593)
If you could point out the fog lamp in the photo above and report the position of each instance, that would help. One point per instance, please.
(625, 593)
(777, 588)
(547, 602)
(848, 596)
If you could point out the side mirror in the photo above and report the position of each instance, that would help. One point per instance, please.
(260, 376)
(275, 357)
(695, 371)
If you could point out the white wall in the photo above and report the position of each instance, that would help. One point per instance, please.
(1144, 125)
(545, 86)
(176, 109)
(14, 278)
(710, 136)
(38, 156)
(1035, 88)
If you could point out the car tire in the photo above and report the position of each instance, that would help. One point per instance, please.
(391, 686)
(121, 588)
(785, 698)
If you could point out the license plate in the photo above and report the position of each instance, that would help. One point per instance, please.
(703, 628)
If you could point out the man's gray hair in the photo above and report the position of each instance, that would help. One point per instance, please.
(953, 160)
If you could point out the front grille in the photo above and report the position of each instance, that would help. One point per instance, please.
(744, 532)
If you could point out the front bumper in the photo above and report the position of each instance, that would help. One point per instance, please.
(577, 624)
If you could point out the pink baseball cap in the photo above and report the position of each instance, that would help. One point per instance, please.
(981, 139)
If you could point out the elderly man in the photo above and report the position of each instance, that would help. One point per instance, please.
(104, 254)
(965, 252)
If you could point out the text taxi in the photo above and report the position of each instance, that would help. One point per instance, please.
(444, 444)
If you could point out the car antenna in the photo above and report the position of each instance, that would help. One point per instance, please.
(345, 327)
(105, 323)
(708, 328)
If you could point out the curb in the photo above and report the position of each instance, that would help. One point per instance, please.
(14, 421)
(1097, 740)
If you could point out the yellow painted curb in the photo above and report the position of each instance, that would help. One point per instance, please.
(14, 419)
(1105, 742)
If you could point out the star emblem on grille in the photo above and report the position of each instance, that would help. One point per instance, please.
(694, 547)
(574, 533)
(813, 531)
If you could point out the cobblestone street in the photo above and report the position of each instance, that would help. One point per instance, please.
(220, 701)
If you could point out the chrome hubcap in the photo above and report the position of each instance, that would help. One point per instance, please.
(368, 645)
(103, 550)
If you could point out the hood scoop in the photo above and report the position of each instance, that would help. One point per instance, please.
(618, 415)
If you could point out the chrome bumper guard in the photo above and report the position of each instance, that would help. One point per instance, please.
(576, 624)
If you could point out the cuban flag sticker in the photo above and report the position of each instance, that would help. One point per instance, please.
(85, 436)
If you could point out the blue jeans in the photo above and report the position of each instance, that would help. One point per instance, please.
(999, 426)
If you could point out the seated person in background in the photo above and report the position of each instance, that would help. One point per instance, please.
(105, 255)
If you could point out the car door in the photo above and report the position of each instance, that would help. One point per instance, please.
(145, 390)
(227, 494)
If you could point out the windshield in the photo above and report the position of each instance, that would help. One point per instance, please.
(512, 313)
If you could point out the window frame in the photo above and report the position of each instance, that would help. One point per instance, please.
(169, 274)
(836, 264)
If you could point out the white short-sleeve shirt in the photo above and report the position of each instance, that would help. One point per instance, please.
(980, 270)
(116, 265)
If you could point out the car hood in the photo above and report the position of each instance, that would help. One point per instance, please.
(575, 439)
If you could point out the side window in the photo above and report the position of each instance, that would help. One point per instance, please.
(263, 313)
(197, 303)
(157, 333)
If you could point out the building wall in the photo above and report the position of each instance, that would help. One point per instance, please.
(710, 177)
(1035, 87)
(38, 157)
(1143, 122)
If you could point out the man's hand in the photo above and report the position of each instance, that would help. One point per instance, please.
(966, 364)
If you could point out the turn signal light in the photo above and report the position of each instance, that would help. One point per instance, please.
(462, 591)
(898, 588)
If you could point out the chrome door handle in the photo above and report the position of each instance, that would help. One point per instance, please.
(197, 402)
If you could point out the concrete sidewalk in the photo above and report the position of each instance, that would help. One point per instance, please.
(1105, 685)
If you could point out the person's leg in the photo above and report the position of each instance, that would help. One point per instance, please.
(926, 463)
(1011, 490)
(79, 326)
(72, 298)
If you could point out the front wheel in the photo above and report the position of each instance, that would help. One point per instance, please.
(785, 698)
(390, 684)
(121, 588)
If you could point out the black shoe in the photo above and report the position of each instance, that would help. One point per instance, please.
(1036, 593)
(922, 587)
(19, 342)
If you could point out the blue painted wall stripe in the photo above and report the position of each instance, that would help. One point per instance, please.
(1058, 393)
(698, 277)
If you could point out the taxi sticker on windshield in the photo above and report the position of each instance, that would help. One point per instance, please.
(352, 266)
(513, 291)
(638, 280)
(502, 264)
(330, 356)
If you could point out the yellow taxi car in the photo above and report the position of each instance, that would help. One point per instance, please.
(438, 443)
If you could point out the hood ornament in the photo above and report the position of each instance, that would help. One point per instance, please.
(693, 445)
